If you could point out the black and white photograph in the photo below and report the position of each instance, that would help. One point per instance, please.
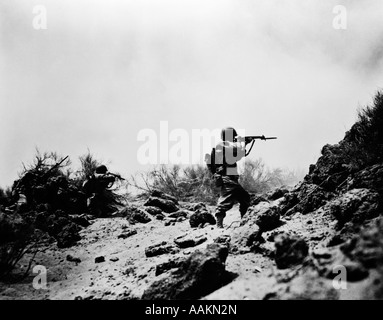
(193, 156)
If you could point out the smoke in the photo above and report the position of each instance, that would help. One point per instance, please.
(104, 70)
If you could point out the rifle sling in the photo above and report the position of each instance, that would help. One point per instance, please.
(251, 147)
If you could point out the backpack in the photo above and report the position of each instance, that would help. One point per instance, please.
(210, 161)
(214, 168)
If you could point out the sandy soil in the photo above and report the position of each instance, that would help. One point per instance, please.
(127, 272)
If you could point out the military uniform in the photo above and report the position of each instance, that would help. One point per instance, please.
(98, 196)
(226, 157)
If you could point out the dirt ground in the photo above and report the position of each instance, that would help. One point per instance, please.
(127, 272)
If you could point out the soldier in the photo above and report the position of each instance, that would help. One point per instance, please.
(96, 189)
(227, 153)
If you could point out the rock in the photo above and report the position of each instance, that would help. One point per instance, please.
(189, 240)
(154, 211)
(134, 214)
(200, 274)
(127, 234)
(99, 259)
(128, 271)
(245, 236)
(306, 286)
(68, 236)
(160, 217)
(277, 194)
(165, 205)
(166, 266)
(114, 259)
(255, 199)
(266, 217)
(312, 197)
(81, 220)
(367, 246)
(162, 195)
(196, 206)
(355, 271)
(369, 178)
(139, 215)
(201, 217)
(180, 213)
(73, 259)
(159, 249)
(356, 205)
(223, 239)
(290, 250)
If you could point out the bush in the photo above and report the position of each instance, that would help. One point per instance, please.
(5, 197)
(363, 143)
(16, 239)
(195, 183)
(192, 183)
(257, 178)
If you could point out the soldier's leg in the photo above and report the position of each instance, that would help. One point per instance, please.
(94, 206)
(243, 198)
(225, 203)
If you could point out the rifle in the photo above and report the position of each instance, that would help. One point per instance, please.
(251, 139)
(116, 175)
(53, 167)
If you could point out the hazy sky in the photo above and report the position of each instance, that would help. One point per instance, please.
(104, 70)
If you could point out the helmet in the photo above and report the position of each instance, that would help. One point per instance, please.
(228, 134)
(101, 169)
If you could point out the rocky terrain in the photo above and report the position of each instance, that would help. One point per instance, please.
(321, 239)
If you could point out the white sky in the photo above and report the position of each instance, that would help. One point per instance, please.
(104, 70)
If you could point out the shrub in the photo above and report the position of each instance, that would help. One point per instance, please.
(363, 143)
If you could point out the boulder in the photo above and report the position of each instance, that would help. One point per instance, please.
(159, 249)
(68, 236)
(201, 217)
(165, 205)
(255, 199)
(223, 239)
(367, 247)
(99, 259)
(195, 206)
(290, 250)
(200, 274)
(356, 205)
(154, 211)
(180, 213)
(135, 214)
(264, 215)
(80, 220)
(369, 178)
(245, 236)
(73, 259)
(276, 194)
(127, 234)
(189, 240)
(159, 194)
(166, 266)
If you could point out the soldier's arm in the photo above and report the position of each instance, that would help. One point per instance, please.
(236, 150)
